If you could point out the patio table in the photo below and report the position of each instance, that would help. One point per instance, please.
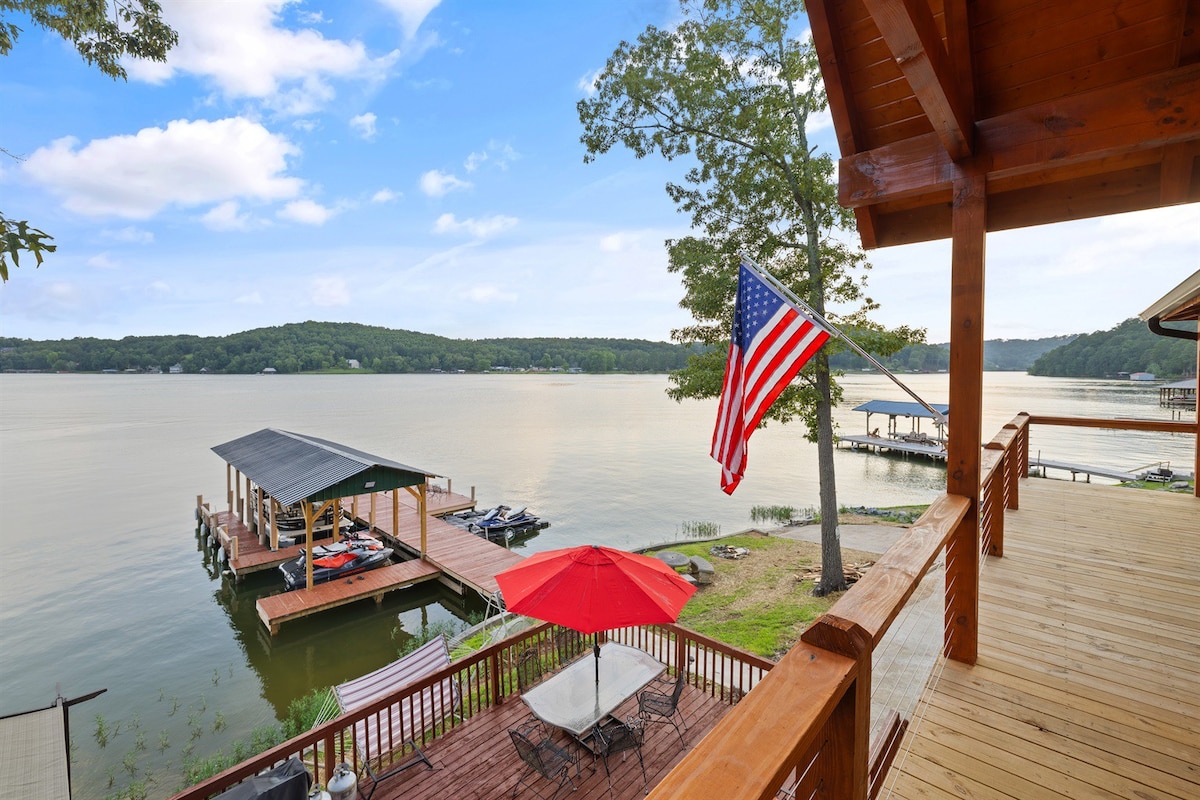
(574, 701)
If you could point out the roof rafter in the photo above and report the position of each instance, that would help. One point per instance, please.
(912, 36)
(1141, 114)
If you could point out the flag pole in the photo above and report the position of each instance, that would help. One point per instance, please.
(791, 296)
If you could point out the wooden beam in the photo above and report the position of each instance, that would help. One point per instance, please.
(963, 452)
(1140, 114)
(1175, 181)
(822, 20)
(912, 36)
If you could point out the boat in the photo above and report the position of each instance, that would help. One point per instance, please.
(503, 523)
(500, 524)
(354, 554)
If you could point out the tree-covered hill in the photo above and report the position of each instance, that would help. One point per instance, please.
(1129, 347)
(998, 354)
(313, 346)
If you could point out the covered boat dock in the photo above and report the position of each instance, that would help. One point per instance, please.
(278, 469)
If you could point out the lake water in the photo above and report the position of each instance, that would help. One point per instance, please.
(107, 585)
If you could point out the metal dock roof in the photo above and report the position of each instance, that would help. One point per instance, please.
(291, 467)
(901, 409)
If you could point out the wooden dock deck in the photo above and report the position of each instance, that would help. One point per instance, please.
(286, 606)
(470, 560)
(1087, 683)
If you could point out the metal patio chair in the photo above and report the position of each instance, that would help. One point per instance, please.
(655, 705)
(542, 758)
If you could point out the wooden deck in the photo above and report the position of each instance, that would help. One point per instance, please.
(286, 606)
(469, 559)
(477, 761)
(1088, 679)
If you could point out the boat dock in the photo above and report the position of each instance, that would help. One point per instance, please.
(1042, 464)
(459, 560)
(934, 451)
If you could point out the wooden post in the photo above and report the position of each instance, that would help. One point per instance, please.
(248, 517)
(969, 229)
(274, 524)
(371, 520)
(229, 487)
(309, 524)
(396, 513)
(237, 496)
(263, 533)
(998, 502)
(421, 498)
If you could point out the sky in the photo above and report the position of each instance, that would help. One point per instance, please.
(416, 164)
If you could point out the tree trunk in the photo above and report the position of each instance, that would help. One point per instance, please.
(833, 579)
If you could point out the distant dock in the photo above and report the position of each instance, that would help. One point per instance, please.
(873, 444)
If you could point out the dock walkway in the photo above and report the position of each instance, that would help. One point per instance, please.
(471, 561)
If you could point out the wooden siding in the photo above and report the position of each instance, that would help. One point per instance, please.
(1087, 683)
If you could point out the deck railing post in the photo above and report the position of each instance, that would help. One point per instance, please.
(996, 489)
(328, 762)
(844, 764)
(494, 666)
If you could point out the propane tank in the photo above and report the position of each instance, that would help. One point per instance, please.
(343, 784)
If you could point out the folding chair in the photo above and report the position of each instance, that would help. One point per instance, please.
(396, 727)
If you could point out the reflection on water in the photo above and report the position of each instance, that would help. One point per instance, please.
(102, 473)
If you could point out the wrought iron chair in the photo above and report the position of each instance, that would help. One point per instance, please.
(529, 668)
(613, 736)
(542, 757)
(658, 706)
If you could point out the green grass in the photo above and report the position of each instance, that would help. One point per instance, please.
(763, 614)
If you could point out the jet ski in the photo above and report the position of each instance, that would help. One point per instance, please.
(502, 523)
(355, 554)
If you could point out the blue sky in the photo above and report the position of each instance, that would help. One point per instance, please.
(416, 164)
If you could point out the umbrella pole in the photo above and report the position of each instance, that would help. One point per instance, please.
(596, 652)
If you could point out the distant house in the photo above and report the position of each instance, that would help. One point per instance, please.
(1141, 376)
(352, 363)
(269, 371)
(175, 369)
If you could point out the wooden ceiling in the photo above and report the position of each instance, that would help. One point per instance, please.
(1069, 108)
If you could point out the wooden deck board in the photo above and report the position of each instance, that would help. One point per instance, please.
(1088, 683)
(467, 558)
(286, 606)
(477, 761)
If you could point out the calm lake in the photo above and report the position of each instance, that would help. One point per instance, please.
(107, 585)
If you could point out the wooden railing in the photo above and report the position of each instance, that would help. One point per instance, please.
(805, 728)
(485, 679)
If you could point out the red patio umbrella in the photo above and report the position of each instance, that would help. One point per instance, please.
(592, 588)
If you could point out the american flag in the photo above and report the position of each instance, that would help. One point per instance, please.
(772, 339)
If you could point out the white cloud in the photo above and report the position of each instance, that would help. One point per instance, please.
(481, 228)
(244, 51)
(307, 212)
(411, 12)
(329, 292)
(488, 294)
(158, 289)
(498, 153)
(384, 196)
(251, 299)
(438, 184)
(587, 84)
(226, 217)
(616, 242)
(102, 261)
(130, 233)
(185, 164)
(474, 160)
(306, 125)
(364, 125)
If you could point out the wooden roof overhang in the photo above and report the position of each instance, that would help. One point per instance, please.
(1069, 110)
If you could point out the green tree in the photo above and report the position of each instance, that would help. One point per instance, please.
(733, 86)
(103, 31)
